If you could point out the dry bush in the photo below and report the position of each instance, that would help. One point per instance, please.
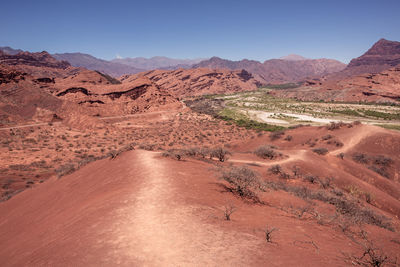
(149, 147)
(320, 151)
(243, 179)
(335, 125)
(360, 158)
(220, 153)
(344, 206)
(276, 135)
(288, 138)
(265, 152)
(268, 233)
(326, 183)
(296, 171)
(173, 153)
(275, 169)
(382, 160)
(372, 255)
(327, 137)
(341, 155)
(228, 211)
(65, 169)
(312, 179)
(379, 170)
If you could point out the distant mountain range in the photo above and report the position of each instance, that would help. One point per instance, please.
(10, 51)
(157, 62)
(292, 68)
(92, 63)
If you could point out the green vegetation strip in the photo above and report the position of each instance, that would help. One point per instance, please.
(389, 126)
(243, 121)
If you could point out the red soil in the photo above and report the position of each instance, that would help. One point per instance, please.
(143, 209)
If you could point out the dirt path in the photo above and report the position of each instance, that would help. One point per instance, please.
(355, 137)
(159, 230)
(296, 155)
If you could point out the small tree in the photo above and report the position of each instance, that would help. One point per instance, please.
(268, 233)
(228, 210)
(265, 152)
(220, 153)
(243, 179)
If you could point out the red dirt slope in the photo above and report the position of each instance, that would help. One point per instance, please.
(142, 209)
(194, 82)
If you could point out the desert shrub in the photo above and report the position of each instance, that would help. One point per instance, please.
(335, 142)
(203, 152)
(320, 151)
(65, 169)
(192, 151)
(296, 171)
(275, 169)
(379, 170)
(276, 135)
(360, 158)
(327, 137)
(20, 167)
(344, 206)
(173, 153)
(268, 233)
(296, 126)
(326, 183)
(220, 153)
(311, 178)
(288, 138)
(228, 211)
(243, 180)
(149, 147)
(265, 152)
(382, 160)
(372, 255)
(332, 126)
(341, 155)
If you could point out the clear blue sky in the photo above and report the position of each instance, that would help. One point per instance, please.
(191, 29)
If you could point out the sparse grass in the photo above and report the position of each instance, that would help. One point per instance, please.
(349, 112)
(381, 115)
(389, 126)
(282, 86)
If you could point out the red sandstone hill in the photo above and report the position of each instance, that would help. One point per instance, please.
(381, 56)
(26, 99)
(40, 64)
(383, 87)
(35, 86)
(277, 70)
(105, 96)
(200, 81)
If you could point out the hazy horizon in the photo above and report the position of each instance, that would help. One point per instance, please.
(234, 30)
